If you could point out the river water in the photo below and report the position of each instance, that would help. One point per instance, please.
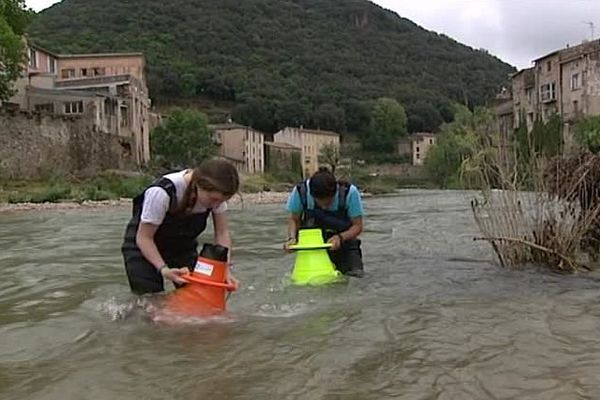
(434, 317)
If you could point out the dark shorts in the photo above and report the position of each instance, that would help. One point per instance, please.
(348, 259)
(144, 278)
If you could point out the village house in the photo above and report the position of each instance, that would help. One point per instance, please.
(524, 100)
(415, 146)
(580, 84)
(565, 82)
(310, 142)
(421, 142)
(241, 145)
(283, 157)
(108, 88)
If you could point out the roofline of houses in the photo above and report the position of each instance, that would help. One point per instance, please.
(228, 126)
(231, 126)
(100, 55)
(91, 55)
(40, 48)
(282, 145)
(312, 131)
(569, 48)
(555, 52)
(521, 71)
(423, 134)
(73, 93)
(92, 81)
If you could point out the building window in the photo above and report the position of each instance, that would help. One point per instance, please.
(430, 141)
(548, 92)
(418, 149)
(73, 107)
(529, 94)
(99, 71)
(51, 65)
(84, 72)
(418, 156)
(33, 58)
(575, 81)
(67, 73)
(124, 117)
(549, 66)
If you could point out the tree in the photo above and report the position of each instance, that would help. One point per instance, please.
(424, 117)
(183, 139)
(331, 117)
(388, 124)
(587, 133)
(255, 113)
(291, 113)
(445, 157)
(358, 115)
(329, 154)
(188, 84)
(13, 20)
(546, 138)
(456, 142)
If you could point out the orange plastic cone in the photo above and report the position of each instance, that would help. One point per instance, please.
(206, 290)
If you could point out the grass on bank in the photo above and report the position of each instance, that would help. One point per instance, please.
(106, 186)
(113, 186)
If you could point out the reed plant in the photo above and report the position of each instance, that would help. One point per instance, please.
(535, 207)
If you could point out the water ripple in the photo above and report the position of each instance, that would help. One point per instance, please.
(434, 317)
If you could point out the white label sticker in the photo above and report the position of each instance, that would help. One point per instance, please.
(203, 268)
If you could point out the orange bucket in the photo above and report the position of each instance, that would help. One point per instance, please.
(206, 290)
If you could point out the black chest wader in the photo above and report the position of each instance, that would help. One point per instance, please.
(347, 259)
(175, 240)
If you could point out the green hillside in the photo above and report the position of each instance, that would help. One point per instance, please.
(282, 62)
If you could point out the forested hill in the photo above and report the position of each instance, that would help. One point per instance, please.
(282, 62)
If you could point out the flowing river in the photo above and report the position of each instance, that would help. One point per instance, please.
(434, 318)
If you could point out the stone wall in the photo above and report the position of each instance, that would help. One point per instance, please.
(38, 146)
(279, 159)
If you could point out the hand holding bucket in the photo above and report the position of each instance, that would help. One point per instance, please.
(207, 285)
(313, 265)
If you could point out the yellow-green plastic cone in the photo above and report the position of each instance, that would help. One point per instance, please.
(313, 266)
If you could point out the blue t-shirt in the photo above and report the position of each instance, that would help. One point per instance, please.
(353, 202)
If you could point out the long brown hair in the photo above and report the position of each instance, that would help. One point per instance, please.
(214, 175)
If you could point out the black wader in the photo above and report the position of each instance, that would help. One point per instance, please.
(175, 240)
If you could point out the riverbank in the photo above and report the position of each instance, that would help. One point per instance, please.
(235, 202)
(112, 189)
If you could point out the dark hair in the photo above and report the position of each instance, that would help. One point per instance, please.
(213, 176)
(322, 184)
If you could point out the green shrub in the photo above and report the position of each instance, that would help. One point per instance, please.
(52, 195)
(17, 197)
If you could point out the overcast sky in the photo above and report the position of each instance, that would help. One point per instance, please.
(516, 31)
